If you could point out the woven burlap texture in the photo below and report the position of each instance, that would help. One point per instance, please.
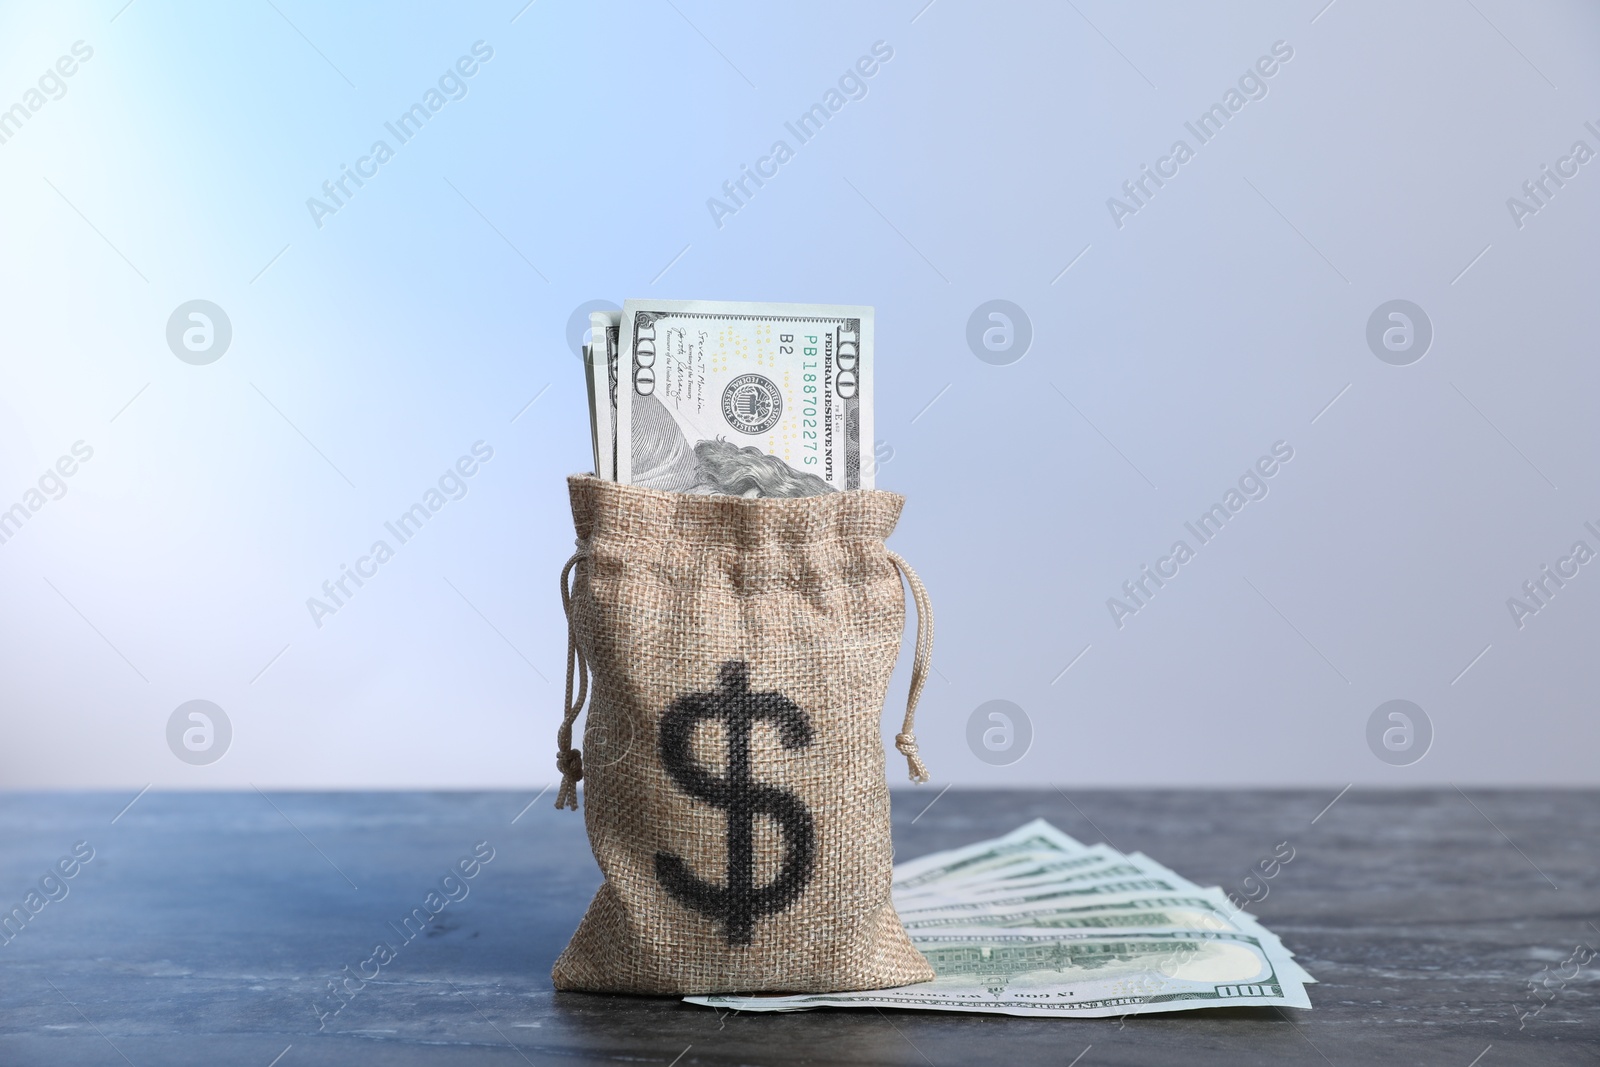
(678, 601)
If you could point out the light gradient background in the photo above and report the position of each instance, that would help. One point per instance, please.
(424, 316)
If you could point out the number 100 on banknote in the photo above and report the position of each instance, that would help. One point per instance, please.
(745, 399)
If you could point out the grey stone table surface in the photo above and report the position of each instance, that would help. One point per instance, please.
(205, 928)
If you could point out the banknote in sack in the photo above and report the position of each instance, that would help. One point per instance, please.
(734, 399)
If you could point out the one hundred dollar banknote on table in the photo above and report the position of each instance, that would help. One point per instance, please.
(739, 399)
(1037, 923)
(1052, 973)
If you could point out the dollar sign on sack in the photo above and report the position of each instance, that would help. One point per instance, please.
(740, 902)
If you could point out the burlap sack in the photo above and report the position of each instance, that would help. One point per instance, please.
(735, 795)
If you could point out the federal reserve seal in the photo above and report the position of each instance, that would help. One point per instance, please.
(752, 404)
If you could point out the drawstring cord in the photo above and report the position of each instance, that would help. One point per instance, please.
(906, 739)
(568, 759)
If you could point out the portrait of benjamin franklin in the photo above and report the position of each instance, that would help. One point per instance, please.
(664, 459)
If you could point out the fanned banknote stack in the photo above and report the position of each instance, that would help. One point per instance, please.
(738, 399)
(1038, 923)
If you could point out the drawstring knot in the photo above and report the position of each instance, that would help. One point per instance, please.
(907, 744)
(570, 764)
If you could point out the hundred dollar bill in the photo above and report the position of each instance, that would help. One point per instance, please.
(1071, 974)
(1097, 864)
(1040, 895)
(744, 399)
(1042, 869)
(1027, 843)
(1192, 910)
(1200, 909)
(600, 365)
(987, 896)
(1237, 915)
(1119, 876)
(1002, 872)
(1021, 878)
(1027, 871)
